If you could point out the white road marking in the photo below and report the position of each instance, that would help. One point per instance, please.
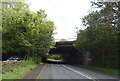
(81, 73)
(38, 77)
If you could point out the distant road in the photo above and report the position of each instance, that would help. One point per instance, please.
(59, 71)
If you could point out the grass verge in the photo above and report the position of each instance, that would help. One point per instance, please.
(115, 72)
(17, 73)
(50, 59)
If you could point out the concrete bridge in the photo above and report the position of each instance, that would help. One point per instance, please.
(67, 49)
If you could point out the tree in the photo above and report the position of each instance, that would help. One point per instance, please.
(100, 37)
(25, 33)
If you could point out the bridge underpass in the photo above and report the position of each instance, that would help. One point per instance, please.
(69, 53)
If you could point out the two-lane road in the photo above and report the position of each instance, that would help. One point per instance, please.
(59, 71)
(56, 71)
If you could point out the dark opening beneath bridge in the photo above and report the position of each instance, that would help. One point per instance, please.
(69, 54)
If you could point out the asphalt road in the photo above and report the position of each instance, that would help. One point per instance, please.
(60, 71)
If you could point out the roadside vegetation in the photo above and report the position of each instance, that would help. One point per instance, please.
(17, 69)
(25, 33)
(100, 36)
(52, 57)
(103, 69)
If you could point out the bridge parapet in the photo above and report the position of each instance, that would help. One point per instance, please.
(65, 47)
(64, 43)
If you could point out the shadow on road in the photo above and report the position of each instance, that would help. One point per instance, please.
(55, 62)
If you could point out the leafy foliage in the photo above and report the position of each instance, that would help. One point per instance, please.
(55, 57)
(25, 33)
(100, 37)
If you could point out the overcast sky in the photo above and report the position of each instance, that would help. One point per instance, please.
(66, 14)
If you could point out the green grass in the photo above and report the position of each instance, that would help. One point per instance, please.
(50, 59)
(0, 71)
(0, 76)
(105, 70)
(18, 73)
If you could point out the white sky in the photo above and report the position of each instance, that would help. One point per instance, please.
(66, 14)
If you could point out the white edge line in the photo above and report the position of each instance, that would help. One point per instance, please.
(41, 72)
(89, 77)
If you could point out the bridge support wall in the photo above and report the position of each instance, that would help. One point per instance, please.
(73, 58)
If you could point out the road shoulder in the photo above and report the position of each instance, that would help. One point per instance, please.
(34, 73)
